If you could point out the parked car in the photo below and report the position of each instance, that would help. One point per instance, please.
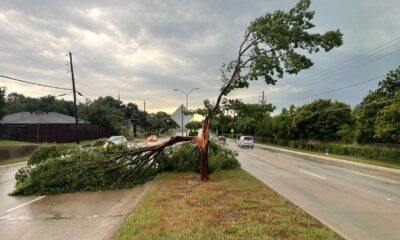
(117, 140)
(246, 141)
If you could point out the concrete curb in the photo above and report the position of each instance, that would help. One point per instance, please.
(357, 164)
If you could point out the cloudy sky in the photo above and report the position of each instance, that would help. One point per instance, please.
(146, 49)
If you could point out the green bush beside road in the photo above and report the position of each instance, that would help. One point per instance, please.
(389, 155)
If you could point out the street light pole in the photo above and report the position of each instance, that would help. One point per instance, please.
(187, 100)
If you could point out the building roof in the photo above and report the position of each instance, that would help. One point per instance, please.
(38, 117)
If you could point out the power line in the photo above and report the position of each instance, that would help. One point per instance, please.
(33, 83)
(358, 61)
(335, 90)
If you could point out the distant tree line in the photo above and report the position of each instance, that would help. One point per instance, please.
(375, 120)
(105, 111)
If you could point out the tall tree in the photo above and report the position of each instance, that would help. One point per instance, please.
(321, 119)
(106, 112)
(367, 111)
(387, 125)
(273, 44)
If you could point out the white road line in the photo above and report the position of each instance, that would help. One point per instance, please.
(24, 204)
(363, 174)
(312, 174)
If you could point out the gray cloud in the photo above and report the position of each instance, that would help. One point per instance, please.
(145, 49)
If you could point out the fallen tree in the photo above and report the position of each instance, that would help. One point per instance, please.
(54, 169)
(267, 52)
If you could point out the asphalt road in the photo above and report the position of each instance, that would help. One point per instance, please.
(87, 215)
(355, 202)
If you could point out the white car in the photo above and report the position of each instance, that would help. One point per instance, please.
(246, 141)
(117, 140)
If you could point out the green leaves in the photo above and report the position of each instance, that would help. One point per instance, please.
(271, 47)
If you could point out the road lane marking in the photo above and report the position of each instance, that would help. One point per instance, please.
(24, 204)
(312, 174)
(363, 174)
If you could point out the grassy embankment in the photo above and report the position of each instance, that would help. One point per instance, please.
(341, 157)
(232, 205)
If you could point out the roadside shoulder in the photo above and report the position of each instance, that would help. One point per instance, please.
(336, 160)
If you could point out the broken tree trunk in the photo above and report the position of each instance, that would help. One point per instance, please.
(202, 143)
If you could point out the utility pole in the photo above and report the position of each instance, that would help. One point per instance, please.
(144, 120)
(263, 98)
(182, 119)
(74, 92)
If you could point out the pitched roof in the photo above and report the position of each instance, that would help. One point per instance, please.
(38, 118)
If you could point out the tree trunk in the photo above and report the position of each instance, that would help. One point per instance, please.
(202, 143)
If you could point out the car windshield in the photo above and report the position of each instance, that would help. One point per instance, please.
(248, 138)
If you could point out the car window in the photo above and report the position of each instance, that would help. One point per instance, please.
(248, 138)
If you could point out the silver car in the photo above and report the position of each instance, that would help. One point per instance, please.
(246, 141)
(117, 140)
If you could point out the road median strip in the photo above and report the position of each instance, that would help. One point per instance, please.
(232, 205)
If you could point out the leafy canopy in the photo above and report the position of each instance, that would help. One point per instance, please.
(275, 44)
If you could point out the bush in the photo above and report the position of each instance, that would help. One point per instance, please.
(384, 154)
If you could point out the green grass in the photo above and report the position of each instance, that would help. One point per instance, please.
(232, 205)
(8, 143)
(341, 157)
(11, 161)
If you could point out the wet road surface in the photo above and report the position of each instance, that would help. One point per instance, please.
(355, 202)
(88, 215)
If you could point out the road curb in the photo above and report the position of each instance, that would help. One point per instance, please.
(343, 161)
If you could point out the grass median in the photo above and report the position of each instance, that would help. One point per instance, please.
(232, 205)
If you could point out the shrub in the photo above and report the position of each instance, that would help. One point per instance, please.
(384, 154)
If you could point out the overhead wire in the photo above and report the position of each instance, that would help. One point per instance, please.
(364, 58)
(334, 90)
(33, 83)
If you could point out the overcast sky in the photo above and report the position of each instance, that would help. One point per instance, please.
(146, 49)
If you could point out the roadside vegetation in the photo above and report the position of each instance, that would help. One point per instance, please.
(9, 143)
(62, 168)
(373, 161)
(232, 205)
(370, 130)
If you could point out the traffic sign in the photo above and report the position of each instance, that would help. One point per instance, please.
(180, 118)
